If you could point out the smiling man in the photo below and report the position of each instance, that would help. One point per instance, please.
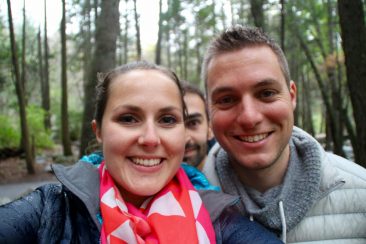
(198, 132)
(284, 178)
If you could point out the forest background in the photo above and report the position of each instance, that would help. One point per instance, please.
(47, 79)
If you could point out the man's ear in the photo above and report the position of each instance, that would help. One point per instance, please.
(293, 94)
(210, 134)
(96, 130)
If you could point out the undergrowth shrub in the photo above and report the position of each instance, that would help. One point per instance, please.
(35, 119)
(9, 133)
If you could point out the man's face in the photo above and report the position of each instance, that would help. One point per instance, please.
(251, 108)
(197, 130)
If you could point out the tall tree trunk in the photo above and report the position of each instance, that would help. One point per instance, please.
(29, 157)
(160, 33)
(168, 51)
(353, 31)
(323, 91)
(338, 139)
(198, 55)
(96, 13)
(125, 43)
(185, 54)
(65, 135)
(24, 48)
(120, 45)
(137, 27)
(308, 113)
(256, 8)
(104, 59)
(46, 94)
(283, 26)
(40, 71)
(87, 42)
(23, 68)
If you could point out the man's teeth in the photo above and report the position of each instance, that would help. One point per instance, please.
(255, 138)
(146, 162)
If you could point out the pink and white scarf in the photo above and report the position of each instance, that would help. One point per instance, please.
(174, 215)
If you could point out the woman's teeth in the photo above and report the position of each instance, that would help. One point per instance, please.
(146, 162)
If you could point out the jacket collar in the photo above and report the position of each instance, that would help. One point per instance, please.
(328, 176)
(82, 179)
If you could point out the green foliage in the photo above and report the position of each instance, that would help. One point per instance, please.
(9, 133)
(37, 131)
(75, 118)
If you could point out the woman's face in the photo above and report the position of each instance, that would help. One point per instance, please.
(142, 133)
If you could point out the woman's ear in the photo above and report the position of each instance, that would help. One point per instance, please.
(96, 130)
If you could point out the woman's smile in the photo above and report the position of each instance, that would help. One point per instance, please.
(146, 161)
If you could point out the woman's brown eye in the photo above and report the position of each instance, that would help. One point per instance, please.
(127, 119)
(168, 119)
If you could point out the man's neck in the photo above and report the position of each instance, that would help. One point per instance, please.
(201, 164)
(266, 178)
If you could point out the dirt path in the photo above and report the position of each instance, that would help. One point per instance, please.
(15, 181)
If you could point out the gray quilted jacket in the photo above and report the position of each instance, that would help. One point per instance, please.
(338, 212)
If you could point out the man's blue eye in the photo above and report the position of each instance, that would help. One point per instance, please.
(225, 100)
(268, 93)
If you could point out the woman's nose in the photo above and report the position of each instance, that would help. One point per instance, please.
(149, 135)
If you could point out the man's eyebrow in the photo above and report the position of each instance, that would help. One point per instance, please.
(221, 89)
(261, 83)
(266, 82)
(194, 116)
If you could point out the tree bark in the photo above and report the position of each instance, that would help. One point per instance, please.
(308, 113)
(335, 89)
(353, 32)
(137, 27)
(65, 135)
(256, 8)
(46, 94)
(125, 43)
(29, 157)
(41, 78)
(283, 26)
(104, 59)
(323, 91)
(87, 48)
(24, 48)
(160, 33)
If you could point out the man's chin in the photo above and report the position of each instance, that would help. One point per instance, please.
(187, 160)
(190, 161)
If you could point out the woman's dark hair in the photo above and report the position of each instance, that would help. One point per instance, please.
(103, 85)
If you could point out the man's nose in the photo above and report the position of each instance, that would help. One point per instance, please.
(249, 114)
(189, 137)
